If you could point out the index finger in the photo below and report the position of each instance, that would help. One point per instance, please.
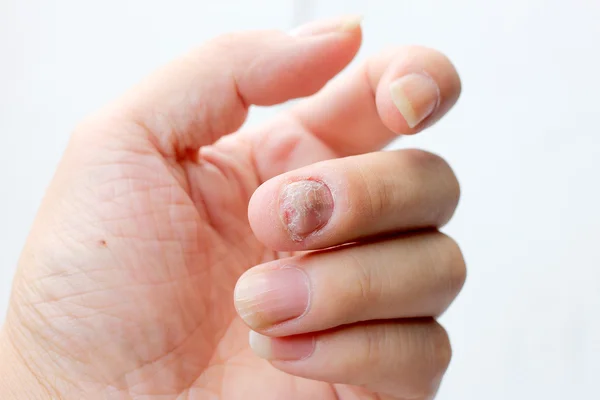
(353, 198)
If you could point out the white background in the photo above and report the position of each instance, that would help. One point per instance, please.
(523, 139)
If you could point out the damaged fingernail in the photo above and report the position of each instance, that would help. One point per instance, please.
(416, 96)
(304, 207)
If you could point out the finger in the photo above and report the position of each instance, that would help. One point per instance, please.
(338, 201)
(404, 360)
(197, 99)
(400, 91)
(409, 276)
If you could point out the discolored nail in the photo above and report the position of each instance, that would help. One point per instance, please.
(342, 25)
(304, 207)
(282, 349)
(267, 298)
(416, 96)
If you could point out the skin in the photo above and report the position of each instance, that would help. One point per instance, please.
(161, 203)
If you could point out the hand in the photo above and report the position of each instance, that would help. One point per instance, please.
(125, 288)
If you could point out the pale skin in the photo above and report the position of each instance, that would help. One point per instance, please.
(177, 255)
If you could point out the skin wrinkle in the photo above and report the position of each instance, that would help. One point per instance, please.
(102, 290)
(172, 352)
(233, 170)
(364, 280)
(229, 164)
(85, 273)
(278, 149)
(305, 126)
(50, 390)
(152, 310)
(175, 165)
(166, 354)
(29, 361)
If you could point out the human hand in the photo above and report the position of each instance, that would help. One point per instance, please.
(125, 287)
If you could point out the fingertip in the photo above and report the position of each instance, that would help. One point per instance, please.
(417, 87)
(263, 216)
(348, 24)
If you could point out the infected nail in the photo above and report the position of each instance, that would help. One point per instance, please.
(304, 207)
(342, 25)
(282, 349)
(264, 299)
(416, 96)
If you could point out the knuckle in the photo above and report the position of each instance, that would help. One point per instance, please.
(452, 184)
(379, 193)
(429, 167)
(376, 341)
(455, 266)
(446, 267)
(228, 41)
(367, 353)
(441, 350)
(364, 290)
(453, 191)
(417, 160)
(381, 196)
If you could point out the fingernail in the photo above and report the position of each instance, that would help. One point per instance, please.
(304, 207)
(416, 96)
(345, 24)
(264, 299)
(282, 349)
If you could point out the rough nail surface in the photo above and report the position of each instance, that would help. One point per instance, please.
(416, 96)
(268, 298)
(313, 28)
(305, 206)
(281, 349)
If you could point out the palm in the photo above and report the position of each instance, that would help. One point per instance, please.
(174, 244)
(216, 338)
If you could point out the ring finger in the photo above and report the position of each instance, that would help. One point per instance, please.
(415, 275)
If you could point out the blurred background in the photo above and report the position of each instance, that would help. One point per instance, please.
(523, 139)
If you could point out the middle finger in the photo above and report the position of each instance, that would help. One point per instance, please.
(415, 275)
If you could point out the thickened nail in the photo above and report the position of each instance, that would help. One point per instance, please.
(266, 298)
(416, 96)
(304, 207)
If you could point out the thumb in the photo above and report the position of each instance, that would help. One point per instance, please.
(206, 94)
